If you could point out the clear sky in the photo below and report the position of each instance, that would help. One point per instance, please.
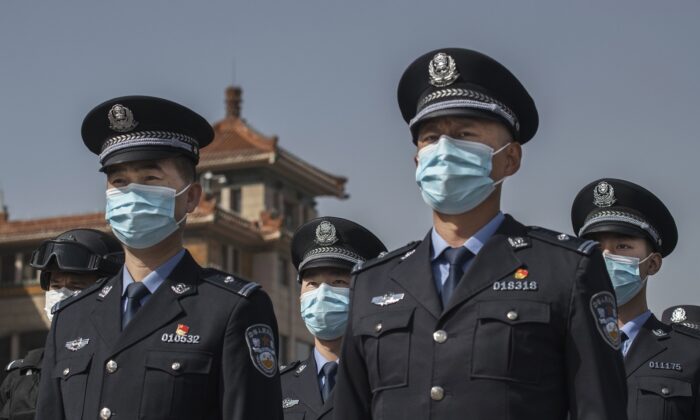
(616, 84)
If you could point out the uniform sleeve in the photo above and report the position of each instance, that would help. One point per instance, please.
(352, 396)
(595, 371)
(49, 402)
(5, 394)
(250, 391)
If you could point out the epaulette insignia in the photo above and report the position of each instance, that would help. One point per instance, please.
(384, 257)
(686, 330)
(232, 283)
(582, 246)
(15, 364)
(291, 366)
(79, 295)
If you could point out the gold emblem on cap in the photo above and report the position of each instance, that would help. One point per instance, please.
(121, 118)
(442, 70)
(325, 233)
(604, 195)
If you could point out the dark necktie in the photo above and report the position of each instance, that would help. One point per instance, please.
(134, 293)
(457, 257)
(329, 370)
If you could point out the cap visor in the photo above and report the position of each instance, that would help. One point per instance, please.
(326, 263)
(617, 227)
(138, 154)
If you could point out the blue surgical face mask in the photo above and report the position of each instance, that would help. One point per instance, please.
(624, 274)
(454, 175)
(325, 311)
(142, 215)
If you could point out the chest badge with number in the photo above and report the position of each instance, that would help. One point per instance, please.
(518, 283)
(182, 335)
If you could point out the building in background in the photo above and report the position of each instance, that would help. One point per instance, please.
(256, 195)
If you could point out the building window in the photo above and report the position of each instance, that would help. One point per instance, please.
(29, 274)
(283, 271)
(235, 200)
(289, 212)
(7, 269)
(284, 343)
(230, 259)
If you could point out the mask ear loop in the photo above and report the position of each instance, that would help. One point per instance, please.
(179, 193)
(500, 181)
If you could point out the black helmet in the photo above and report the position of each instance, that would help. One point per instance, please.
(79, 251)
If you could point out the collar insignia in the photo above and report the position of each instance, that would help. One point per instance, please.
(300, 368)
(387, 299)
(659, 332)
(77, 344)
(121, 119)
(288, 402)
(442, 70)
(604, 195)
(105, 291)
(180, 288)
(678, 315)
(408, 254)
(518, 242)
(325, 234)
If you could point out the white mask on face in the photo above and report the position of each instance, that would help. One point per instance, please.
(54, 296)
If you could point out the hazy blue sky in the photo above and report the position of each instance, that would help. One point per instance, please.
(616, 84)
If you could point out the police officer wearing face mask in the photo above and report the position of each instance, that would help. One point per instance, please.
(324, 250)
(636, 232)
(69, 263)
(164, 338)
(486, 317)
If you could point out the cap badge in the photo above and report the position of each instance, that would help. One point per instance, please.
(678, 315)
(604, 195)
(442, 70)
(325, 234)
(121, 119)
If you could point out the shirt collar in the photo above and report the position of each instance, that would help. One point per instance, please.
(156, 277)
(632, 327)
(320, 361)
(473, 244)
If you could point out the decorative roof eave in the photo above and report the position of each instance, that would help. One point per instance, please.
(318, 181)
(32, 231)
(226, 161)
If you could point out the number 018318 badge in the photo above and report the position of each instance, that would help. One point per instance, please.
(261, 343)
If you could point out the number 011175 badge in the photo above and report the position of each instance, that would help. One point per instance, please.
(261, 344)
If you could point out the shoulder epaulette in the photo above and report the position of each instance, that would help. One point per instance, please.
(384, 257)
(230, 282)
(15, 364)
(291, 366)
(582, 246)
(76, 297)
(686, 330)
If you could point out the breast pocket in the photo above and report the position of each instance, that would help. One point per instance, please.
(506, 340)
(175, 385)
(72, 374)
(386, 337)
(660, 398)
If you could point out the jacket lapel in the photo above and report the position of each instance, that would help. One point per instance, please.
(646, 344)
(164, 305)
(308, 390)
(415, 275)
(494, 261)
(107, 315)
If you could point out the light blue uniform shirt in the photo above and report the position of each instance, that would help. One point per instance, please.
(631, 328)
(440, 266)
(320, 361)
(153, 280)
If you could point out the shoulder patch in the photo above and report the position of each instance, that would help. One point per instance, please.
(230, 282)
(686, 330)
(289, 367)
(15, 364)
(384, 257)
(582, 246)
(81, 294)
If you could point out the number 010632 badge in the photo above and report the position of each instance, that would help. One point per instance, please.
(261, 343)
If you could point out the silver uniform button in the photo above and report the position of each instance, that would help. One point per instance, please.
(66, 371)
(105, 413)
(176, 366)
(111, 366)
(512, 315)
(437, 393)
(665, 391)
(378, 327)
(440, 336)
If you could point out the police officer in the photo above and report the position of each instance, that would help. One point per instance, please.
(485, 317)
(688, 315)
(164, 338)
(636, 232)
(324, 250)
(69, 263)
